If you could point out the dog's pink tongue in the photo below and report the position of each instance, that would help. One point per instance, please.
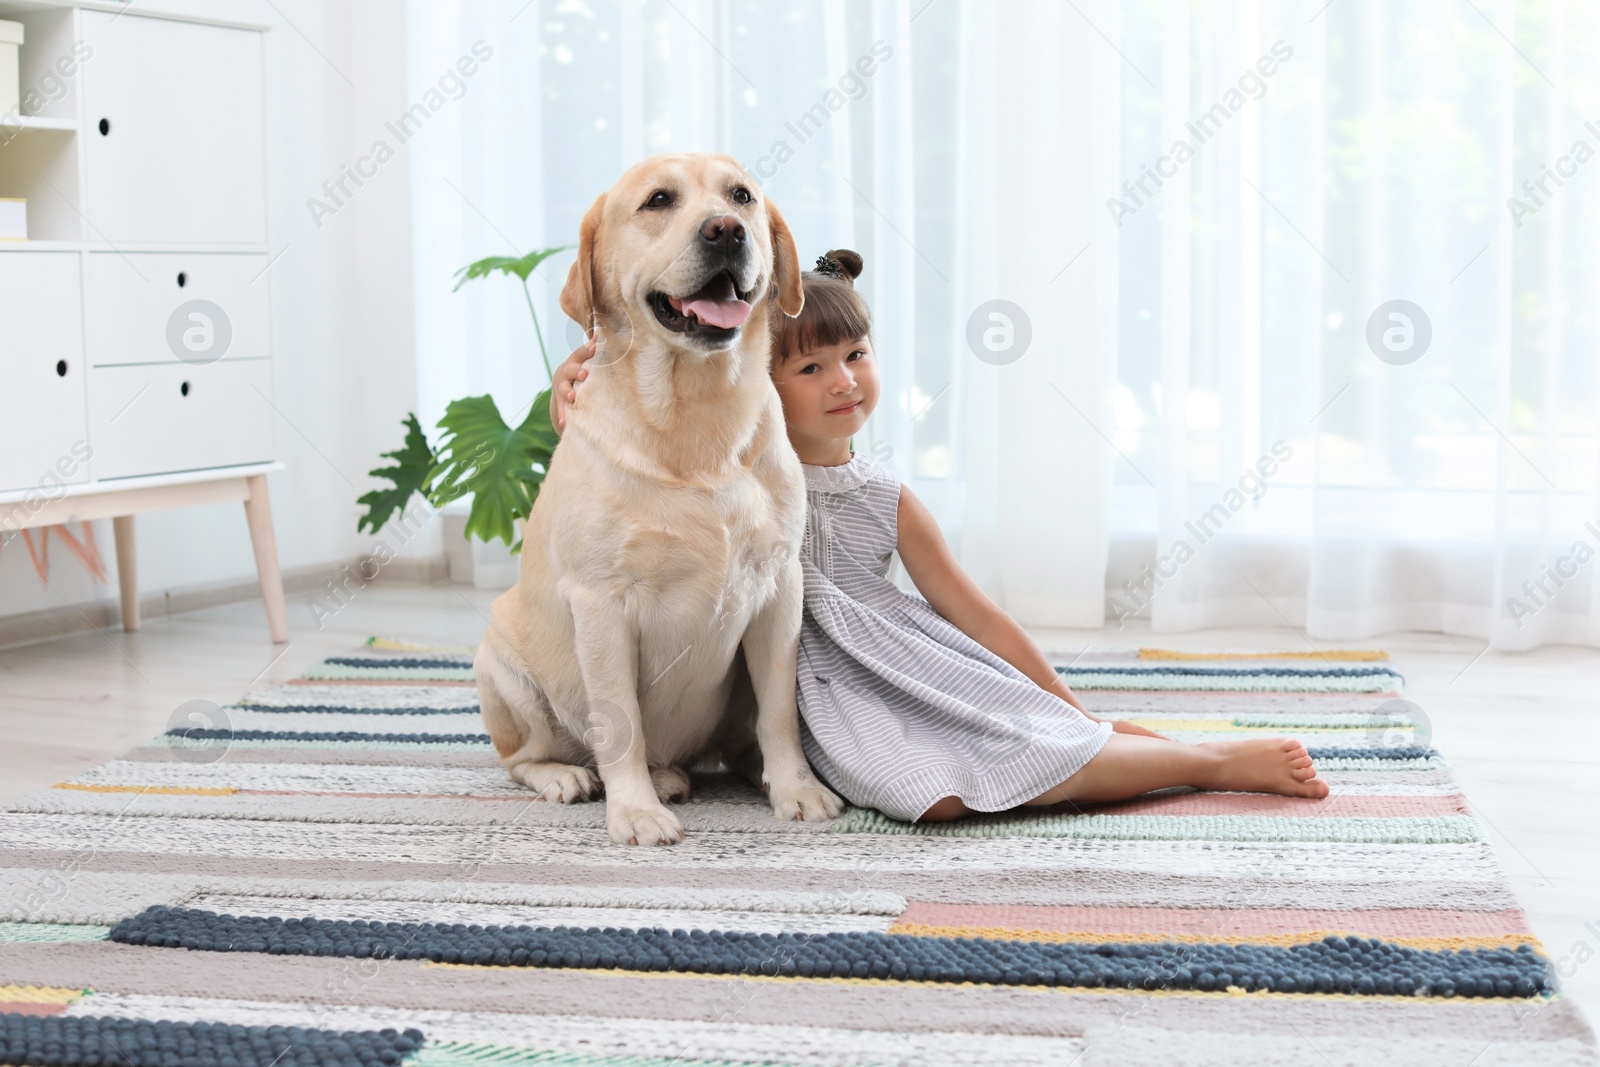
(723, 314)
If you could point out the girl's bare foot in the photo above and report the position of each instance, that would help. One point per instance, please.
(1269, 765)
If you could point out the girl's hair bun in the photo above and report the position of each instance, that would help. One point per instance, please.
(841, 263)
(834, 310)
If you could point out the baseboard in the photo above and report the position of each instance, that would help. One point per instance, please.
(29, 627)
(411, 571)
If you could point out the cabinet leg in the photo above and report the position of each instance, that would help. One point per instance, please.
(127, 571)
(258, 512)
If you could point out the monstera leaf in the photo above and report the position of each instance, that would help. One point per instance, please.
(413, 462)
(501, 466)
(521, 266)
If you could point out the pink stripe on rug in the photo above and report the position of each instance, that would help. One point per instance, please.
(29, 1007)
(414, 683)
(1336, 806)
(1209, 922)
(1396, 807)
(530, 795)
(1230, 694)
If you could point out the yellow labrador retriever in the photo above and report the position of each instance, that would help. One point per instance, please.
(667, 532)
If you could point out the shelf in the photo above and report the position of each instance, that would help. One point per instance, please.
(102, 247)
(23, 123)
(102, 486)
(10, 8)
(39, 246)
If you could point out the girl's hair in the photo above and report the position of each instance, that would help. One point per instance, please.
(833, 311)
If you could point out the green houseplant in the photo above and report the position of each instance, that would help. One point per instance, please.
(478, 452)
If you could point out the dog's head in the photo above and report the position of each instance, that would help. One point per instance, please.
(685, 245)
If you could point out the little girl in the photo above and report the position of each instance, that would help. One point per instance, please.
(934, 709)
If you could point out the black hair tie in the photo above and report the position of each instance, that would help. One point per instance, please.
(830, 267)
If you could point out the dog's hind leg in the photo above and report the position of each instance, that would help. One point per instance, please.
(524, 733)
(672, 784)
(735, 739)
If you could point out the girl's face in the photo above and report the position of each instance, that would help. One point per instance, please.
(828, 392)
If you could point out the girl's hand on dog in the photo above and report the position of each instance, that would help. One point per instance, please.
(564, 391)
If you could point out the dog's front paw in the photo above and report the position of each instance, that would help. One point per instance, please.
(643, 826)
(807, 800)
(560, 782)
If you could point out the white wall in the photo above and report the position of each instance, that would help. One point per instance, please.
(345, 370)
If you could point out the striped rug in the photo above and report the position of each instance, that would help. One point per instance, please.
(336, 870)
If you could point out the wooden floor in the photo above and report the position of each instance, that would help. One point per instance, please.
(1522, 731)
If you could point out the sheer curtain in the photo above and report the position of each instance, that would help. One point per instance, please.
(1198, 430)
(1377, 271)
(911, 133)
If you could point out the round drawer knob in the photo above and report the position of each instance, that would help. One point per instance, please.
(183, 279)
(184, 388)
(61, 368)
(105, 127)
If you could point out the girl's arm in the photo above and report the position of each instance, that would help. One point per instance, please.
(952, 593)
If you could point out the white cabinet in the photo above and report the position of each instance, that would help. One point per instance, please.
(155, 137)
(176, 417)
(173, 132)
(43, 432)
(155, 307)
(140, 147)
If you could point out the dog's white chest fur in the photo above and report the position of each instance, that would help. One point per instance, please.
(725, 545)
(689, 584)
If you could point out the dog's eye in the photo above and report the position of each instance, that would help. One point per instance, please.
(659, 198)
(741, 195)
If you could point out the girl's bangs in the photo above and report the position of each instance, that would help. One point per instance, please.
(833, 313)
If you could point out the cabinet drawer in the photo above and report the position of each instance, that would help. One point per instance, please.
(157, 307)
(173, 142)
(155, 419)
(43, 424)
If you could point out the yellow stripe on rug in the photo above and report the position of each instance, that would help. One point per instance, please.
(164, 790)
(390, 644)
(1213, 726)
(41, 994)
(1305, 937)
(1358, 655)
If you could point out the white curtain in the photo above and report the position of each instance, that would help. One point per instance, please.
(892, 127)
(1198, 431)
(1368, 153)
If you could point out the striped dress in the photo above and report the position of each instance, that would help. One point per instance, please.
(898, 707)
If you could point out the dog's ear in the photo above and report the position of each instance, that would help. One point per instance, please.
(578, 295)
(785, 264)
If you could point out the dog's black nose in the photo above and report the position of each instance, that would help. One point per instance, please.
(725, 233)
